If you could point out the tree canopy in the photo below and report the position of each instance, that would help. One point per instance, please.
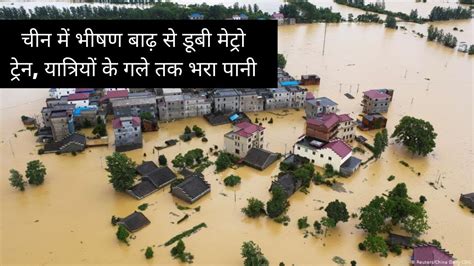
(337, 211)
(416, 134)
(254, 208)
(278, 204)
(252, 255)
(16, 180)
(281, 64)
(35, 172)
(121, 171)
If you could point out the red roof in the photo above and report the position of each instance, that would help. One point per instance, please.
(329, 120)
(309, 96)
(339, 147)
(376, 94)
(345, 118)
(431, 255)
(78, 97)
(246, 129)
(115, 94)
(117, 122)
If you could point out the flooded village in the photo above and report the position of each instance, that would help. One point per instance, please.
(369, 78)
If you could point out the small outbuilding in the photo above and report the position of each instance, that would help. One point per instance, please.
(72, 143)
(288, 183)
(134, 222)
(399, 240)
(259, 158)
(467, 200)
(191, 189)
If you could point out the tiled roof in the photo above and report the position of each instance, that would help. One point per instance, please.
(117, 122)
(192, 187)
(246, 129)
(134, 221)
(146, 167)
(327, 120)
(339, 147)
(78, 96)
(160, 177)
(376, 94)
(260, 158)
(426, 254)
(142, 189)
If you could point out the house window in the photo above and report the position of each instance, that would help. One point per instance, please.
(314, 153)
(322, 156)
(237, 151)
(298, 148)
(312, 160)
(329, 158)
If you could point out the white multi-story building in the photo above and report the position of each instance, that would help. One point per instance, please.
(336, 153)
(243, 137)
(79, 99)
(57, 93)
(128, 133)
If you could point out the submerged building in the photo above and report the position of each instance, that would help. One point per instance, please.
(128, 133)
(377, 101)
(243, 137)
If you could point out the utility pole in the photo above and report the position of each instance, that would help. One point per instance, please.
(324, 41)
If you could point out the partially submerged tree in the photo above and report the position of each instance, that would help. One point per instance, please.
(16, 180)
(254, 208)
(376, 244)
(149, 253)
(252, 255)
(390, 22)
(178, 252)
(122, 234)
(380, 143)
(224, 161)
(232, 180)
(35, 172)
(337, 211)
(199, 132)
(416, 134)
(162, 160)
(281, 61)
(121, 171)
(100, 128)
(303, 222)
(278, 204)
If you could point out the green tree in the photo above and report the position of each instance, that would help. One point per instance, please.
(252, 255)
(328, 223)
(390, 22)
(178, 252)
(376, 244)
(178, 161)
(371, 218)
(122, 234)
(16, 180)
(416, 134)
(305, 174)
(187, 130)
(278, 204)
(100, 128)
(281, 61)
(380, 143)
(146, 116)
(471, 49)
(224, 161)
(303, 222)
(149, 253)
(121, 171)
(162, 160)
(87, 123)
(254, 208)
(199, 132)
(232, 180)
(35, 172)
(337, 211)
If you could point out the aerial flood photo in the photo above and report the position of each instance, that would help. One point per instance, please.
(351, 158)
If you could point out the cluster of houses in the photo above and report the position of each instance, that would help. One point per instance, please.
(139, 110)
(275, 16)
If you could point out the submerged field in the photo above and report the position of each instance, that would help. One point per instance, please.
(67, 219)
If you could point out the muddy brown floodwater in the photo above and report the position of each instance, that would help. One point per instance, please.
(67, 219)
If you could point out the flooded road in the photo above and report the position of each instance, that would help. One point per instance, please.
(67, 219)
